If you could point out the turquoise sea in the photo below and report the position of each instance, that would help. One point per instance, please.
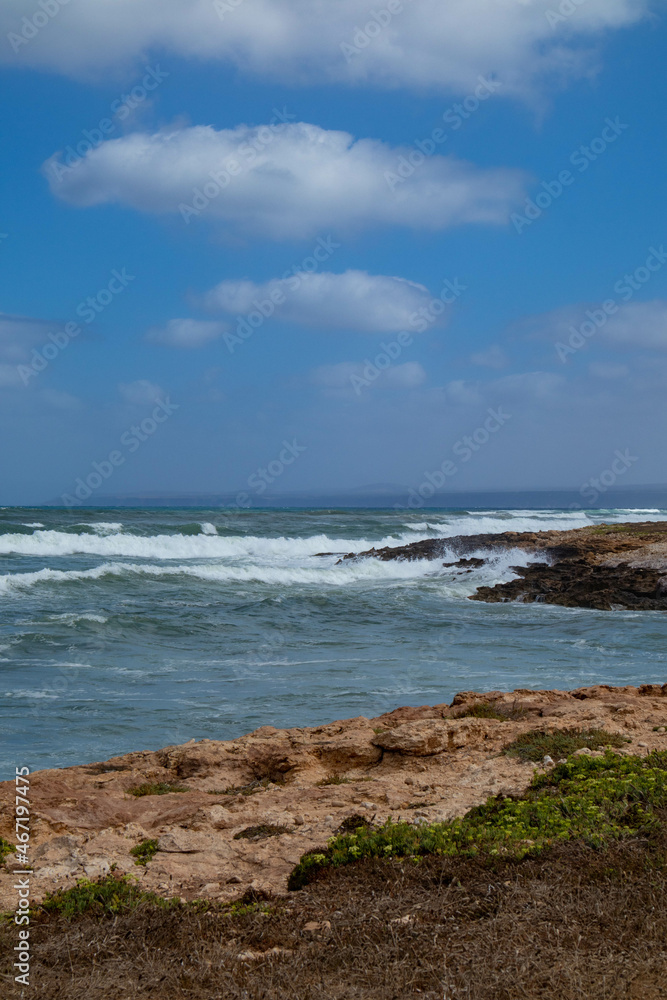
(128, 629)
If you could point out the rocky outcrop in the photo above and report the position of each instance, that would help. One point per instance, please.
(606, 567)
(249, 808)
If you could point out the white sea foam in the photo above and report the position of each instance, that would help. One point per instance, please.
(71, 618)
(208, 529)
(34, 524)
(324, 573)
(177, 546)
(104, 527)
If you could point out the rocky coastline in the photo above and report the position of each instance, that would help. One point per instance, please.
(222, 817)
(605, 567)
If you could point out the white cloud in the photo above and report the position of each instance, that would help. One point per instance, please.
(406, 376)
(9, 377)
(294, 182)
(19, 334)
(634, 324)
(599, 369)
(61, 400)
(430, 43)
(354, 300)
(492, 357)
(639, 324)
(186, 332)
(141, 392)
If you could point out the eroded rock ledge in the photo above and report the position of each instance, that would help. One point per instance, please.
(607, 567)
(416, 764)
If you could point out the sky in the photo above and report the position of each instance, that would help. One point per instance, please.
(264, 246)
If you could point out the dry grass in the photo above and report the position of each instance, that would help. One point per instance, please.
(500, 711)
(157, 788)
(558, 743)
(572, 923)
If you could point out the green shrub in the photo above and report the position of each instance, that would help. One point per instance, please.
(597, 799)
(537, 744)
(5, 849)
(333, 779)
(157, 788)
(104, 896)
(144, 852)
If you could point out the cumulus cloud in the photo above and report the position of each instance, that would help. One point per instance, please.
(289, 181)
(632, 325)
(406, 376)
(354, 300)
(141, 392)
(19, 334)
(426, 44)
(492, 357)
(186, 332)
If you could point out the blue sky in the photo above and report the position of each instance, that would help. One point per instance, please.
(306, 138)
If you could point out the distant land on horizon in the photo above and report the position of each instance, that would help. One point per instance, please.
(380, 496)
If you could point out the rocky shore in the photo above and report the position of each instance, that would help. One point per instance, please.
(239, 814)
(607, 567)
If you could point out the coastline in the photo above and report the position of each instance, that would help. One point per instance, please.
(249, 808)
(622, 566)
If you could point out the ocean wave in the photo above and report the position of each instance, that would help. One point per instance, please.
(103, 527)
(178, 546)
(367, 571)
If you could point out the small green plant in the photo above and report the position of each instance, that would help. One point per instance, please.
(557, 743)
(333, 779)
(596, 799)
(260, 832)
(481, 711)
(250, 789)
(380, 729)
(157, 788)
(484, 710)
(5, 849)
(144, 852)
(104, 896)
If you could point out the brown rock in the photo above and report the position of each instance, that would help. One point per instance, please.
(81, 824)
(426, 737)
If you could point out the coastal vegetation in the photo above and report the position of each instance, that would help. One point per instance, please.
(144, 852)
(555, 894)
(537, 744)
(157, 788)
(595, 799)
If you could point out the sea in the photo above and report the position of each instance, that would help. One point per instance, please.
(128, 629)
